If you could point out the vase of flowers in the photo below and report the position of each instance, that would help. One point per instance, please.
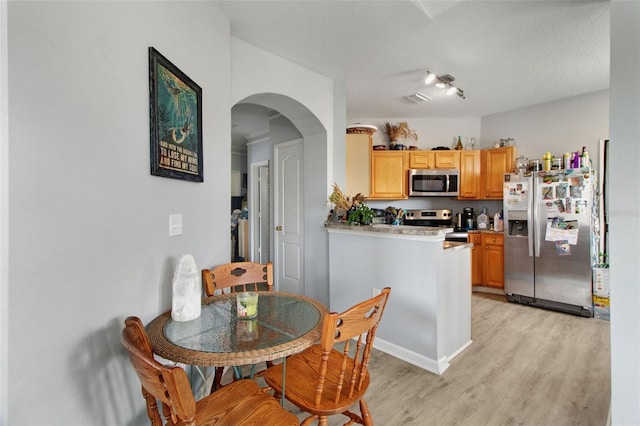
(343, 204)
(399, 131)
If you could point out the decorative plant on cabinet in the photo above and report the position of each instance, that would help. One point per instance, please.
(399, 131)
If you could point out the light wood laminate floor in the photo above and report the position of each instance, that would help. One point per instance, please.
(526, 366)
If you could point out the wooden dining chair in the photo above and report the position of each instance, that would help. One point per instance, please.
(324, 380)
(242, 402)
(238, 276)
(234, 277)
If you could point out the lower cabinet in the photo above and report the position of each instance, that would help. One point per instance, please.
(493, 260)
(487, 259)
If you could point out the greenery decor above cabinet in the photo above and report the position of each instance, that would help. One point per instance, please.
(389, 174)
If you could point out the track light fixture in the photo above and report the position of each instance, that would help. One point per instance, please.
(444, 82)
(430, 78)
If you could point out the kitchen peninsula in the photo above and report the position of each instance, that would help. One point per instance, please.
(427, 320)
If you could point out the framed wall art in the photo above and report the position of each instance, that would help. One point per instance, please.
(175, 108)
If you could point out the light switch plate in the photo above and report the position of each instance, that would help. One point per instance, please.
(175, 224)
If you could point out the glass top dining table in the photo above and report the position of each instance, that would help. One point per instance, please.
(286, 324)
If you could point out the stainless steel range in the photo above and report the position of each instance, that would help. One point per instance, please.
(441, 218)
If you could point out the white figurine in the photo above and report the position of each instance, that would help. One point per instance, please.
(187, 290)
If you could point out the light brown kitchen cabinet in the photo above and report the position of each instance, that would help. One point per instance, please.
(477, 259)
(447, 159)
(358, 171)
(422, 159)
(493, 260)
(389, 177)
(496, 163)
(434, 159)
(482, 172)
(470, 174)
(487, 259)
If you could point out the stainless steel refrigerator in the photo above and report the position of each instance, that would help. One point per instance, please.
(551, 239)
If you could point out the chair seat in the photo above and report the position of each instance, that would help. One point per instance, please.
(302, 376)
(241, 403)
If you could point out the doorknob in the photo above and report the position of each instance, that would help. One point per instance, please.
(278, 228)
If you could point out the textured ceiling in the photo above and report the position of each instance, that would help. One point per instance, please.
(503, 54)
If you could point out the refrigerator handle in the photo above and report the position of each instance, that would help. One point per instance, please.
(535, 207)
(530, 230)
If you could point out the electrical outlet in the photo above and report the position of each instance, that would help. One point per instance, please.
(375, 291)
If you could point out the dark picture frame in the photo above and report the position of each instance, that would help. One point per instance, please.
(175, 121)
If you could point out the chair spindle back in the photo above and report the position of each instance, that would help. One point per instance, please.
(358, 323)
(238, 276)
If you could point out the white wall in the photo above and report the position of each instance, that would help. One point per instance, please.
(432, 132)
(307, 100)
(624, 199)
(88, 226)
(558, 127)
(89, 233)
(4, 216)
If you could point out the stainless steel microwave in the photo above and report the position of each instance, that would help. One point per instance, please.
(434, 183)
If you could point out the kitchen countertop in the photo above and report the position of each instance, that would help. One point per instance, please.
(485, 231)
(393, 229)
(433, 233)
(455, 245)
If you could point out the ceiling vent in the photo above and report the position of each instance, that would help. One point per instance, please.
(419, 97)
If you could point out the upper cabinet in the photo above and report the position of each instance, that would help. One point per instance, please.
(470, 174)
(482, 172)
(447, 159)
(422, 160)
(358, 171)
(434, 159)
(497, 162)
(389, 175)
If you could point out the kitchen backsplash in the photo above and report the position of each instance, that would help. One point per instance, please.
(456, 206)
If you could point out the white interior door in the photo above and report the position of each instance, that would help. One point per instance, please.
(260, 210)
(288, 213)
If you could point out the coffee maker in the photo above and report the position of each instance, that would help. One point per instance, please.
(468, 219)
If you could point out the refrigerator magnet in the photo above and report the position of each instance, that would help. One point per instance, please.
(563, 248)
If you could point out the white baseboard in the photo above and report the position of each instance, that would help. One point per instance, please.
(434, 366)
(460, 349)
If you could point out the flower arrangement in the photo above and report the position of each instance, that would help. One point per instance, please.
(399, 131)
(343, 202)
(355, 209)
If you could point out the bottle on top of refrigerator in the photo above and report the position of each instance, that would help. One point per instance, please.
(576, 160)
(483, 219)
(546, 161)
(584, 158)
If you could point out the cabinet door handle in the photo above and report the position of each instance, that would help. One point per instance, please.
(278, 228)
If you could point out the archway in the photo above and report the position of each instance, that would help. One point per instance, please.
(286, 120)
